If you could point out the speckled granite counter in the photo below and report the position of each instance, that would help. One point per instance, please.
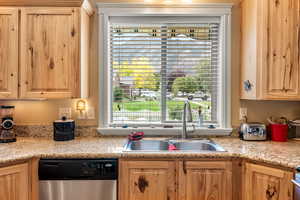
(283, 154)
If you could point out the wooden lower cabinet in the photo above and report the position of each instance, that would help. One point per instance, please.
(202, 180)
(171, 180)
(19, 181)
(265, 183)
(205, 180)
(14, 182)
(147, 180)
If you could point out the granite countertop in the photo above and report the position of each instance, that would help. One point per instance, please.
(283, 154)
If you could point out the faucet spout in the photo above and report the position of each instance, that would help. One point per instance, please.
(187, 117)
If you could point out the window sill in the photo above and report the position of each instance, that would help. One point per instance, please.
(165, 131)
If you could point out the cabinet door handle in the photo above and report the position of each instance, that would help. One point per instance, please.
(248, 85)
(271, 192)
(142, 184)
(184, 167)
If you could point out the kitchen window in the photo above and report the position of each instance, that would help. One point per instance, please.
(153, 63)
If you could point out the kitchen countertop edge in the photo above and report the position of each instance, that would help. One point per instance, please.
(28, 148)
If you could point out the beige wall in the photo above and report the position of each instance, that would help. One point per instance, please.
(44, 112)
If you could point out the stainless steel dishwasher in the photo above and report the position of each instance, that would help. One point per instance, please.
(78, 179)
(296, 182)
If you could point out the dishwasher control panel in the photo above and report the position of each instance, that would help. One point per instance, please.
(79, 169)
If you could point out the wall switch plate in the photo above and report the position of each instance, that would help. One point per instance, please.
(243, 113)
(65, 112)
(90, 113)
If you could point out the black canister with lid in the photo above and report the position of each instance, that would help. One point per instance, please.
(64, 130)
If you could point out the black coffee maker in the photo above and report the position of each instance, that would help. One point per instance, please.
(7, 133)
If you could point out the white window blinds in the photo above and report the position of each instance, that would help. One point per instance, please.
(156, 64)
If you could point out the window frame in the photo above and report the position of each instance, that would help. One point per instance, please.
(106, 10)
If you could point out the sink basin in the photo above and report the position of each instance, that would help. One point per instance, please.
(180, 145)
(197, 146)
(147, 145)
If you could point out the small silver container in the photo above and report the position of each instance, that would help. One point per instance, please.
(253, 132)
(294, 129)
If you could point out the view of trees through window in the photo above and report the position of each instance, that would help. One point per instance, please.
(155, 68)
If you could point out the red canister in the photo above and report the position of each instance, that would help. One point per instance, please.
(279, 132)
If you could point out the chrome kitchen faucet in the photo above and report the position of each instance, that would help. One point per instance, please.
(187, 117)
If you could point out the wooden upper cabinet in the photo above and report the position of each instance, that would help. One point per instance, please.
(49, 53)
(44, 51)
(270, 50)
(14, 182)
(205, 180)
(147, 180)
(8, 53)
(283, 49)
(265, 183)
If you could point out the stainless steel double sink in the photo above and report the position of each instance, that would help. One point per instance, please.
(158, 145)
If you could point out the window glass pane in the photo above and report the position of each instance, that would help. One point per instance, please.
(136, 63)
(156, 67)
(192, 70)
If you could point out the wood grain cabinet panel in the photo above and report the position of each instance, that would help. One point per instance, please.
(44, 51)
(265, 183)
(270, 50)
(283, 49)
(8, 53)
(147, 180)
(50, 52)
(14, 182)
(201, 180)
(205, 180)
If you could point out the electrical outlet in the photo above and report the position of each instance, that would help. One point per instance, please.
(243, 113)
(65, 112)
(90, 113)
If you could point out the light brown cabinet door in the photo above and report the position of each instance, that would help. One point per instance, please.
(8, 53)
(265, 183)
(282, 58)
(205, 180)
(49, 52)
(14, 182)
(147, 180)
